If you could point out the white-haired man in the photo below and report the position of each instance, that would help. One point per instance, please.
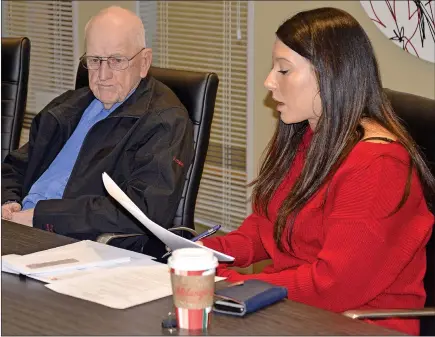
(126, 123)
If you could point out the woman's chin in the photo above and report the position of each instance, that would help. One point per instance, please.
(291, 120)
(286, 119)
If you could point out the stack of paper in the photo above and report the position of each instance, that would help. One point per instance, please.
(68, 261)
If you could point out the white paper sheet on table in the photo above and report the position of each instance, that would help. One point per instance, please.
(170, 239)
(74, 256)
(7, 261)
(122, 287)
(91, 256)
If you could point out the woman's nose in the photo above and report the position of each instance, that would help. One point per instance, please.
(269, 83)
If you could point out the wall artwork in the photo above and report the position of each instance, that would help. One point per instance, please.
(410, 24)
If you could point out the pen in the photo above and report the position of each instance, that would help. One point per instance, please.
(201, 236)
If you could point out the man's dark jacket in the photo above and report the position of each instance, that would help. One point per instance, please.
(145, 145)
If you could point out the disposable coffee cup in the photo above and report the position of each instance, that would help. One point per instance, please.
(192, 278)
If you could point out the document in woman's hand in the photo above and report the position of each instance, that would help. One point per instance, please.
(170, 239)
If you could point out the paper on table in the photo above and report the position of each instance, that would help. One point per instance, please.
(136, 258)
(102, 249)
(79, 255)
(69, 274)
(7, 261)
(121, 287)
(170, 239)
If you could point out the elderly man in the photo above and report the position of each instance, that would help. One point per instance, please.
(127, 124)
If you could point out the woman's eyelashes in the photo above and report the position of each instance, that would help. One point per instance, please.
(283, 72)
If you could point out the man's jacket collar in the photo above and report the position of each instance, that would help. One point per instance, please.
(72, 109)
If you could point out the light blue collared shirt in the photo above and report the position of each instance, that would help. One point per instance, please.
(51, 184)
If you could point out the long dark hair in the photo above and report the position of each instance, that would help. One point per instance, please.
(350, 88)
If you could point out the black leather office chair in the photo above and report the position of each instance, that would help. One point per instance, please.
(418, 115)
(15, 77)
(197, 91)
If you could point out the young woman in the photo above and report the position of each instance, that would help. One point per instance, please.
(339, 204)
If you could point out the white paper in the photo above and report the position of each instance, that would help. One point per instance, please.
(121, 287)
(75, 256)
(60, 275)
(67, 275)
(170, 239)
(136, 258)
(7, 261)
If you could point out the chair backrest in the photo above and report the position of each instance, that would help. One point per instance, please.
(15, 77)
(197, 91)
(418, 115)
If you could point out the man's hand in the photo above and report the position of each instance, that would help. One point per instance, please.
(24, 217)
(9, 209)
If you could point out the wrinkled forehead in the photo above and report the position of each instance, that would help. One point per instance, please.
(109, 40)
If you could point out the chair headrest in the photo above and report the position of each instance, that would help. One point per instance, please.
(418, 115)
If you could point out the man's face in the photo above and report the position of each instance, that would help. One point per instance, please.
(108, 85)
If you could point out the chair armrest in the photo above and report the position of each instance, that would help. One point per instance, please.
(107, 237)
(389, 313)
(181, 228)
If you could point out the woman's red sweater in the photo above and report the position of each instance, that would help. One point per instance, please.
(350, 252)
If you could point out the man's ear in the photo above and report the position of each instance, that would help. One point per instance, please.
(146, 60)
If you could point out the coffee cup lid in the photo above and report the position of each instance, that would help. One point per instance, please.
(192, 259)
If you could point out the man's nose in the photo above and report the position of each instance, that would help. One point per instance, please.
(104, 72)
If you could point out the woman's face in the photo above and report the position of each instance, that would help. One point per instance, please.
(293, 85)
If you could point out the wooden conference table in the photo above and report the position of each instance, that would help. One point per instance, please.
(29, 308)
